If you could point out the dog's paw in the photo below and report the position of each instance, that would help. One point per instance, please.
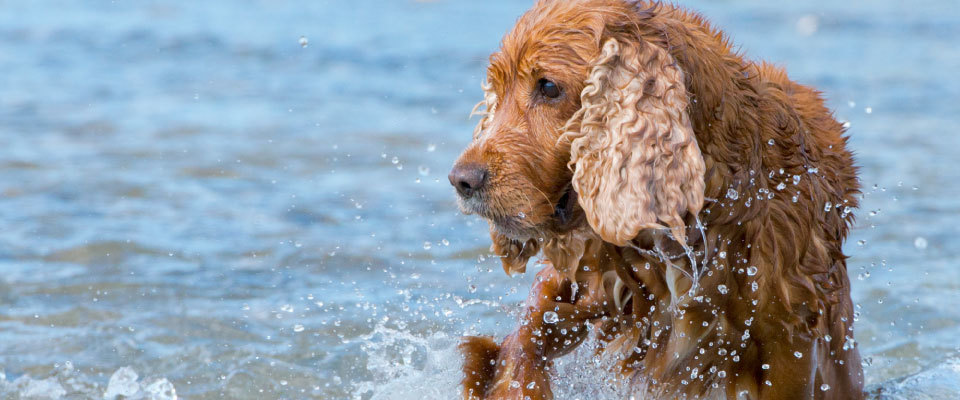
(479, 359)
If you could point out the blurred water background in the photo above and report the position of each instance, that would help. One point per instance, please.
(217, 199)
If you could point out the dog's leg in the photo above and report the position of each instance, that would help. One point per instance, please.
(479, 357)
(518, 367)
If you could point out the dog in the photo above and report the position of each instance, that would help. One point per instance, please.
(689, 206)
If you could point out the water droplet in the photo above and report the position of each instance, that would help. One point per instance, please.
(531, 385)
(861, 242)
(395, 160)
(732, 194)
(827, 206)
(514, 384)
(824, 387)
(807, 25)
(765, 366)
(426, 245)
(431, 148)
(868, 110)
(722, 254)
(722, 289)
(798, 354)
(298, 328)
(445, 242)
(752, 270)
(813, 170)
(423, 170)
(286, 308)
(722, 374)
(521, 215)
(796, 179)
(303, 41)
(920, 243)
(781, 186)
(770, 142)
(551, 317)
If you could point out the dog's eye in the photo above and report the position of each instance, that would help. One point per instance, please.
(549, 89)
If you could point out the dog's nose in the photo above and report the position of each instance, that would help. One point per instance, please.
(468, 178)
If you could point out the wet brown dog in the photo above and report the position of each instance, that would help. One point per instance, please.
(689, 204)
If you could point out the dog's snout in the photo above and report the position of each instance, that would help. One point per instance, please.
(468, 178)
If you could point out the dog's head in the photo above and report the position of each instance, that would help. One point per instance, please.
(584, 123)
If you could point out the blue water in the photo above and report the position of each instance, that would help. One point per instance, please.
(189, 194)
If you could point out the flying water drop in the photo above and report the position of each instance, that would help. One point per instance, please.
(732, 194)
(551, 317)
(920, 243)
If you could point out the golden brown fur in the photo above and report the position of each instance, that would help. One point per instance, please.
(697, 200)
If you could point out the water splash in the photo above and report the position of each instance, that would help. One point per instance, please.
(404, 366)
(65, 382)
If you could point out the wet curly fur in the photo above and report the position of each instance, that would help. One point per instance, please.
(689, 204)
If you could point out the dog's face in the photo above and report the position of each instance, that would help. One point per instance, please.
(583, 119)
(515, 172)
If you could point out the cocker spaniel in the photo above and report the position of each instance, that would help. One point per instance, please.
(689, 205)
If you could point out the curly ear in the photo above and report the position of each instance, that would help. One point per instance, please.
(635, 157)
(513, 253)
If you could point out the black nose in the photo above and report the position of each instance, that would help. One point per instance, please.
(468, 178)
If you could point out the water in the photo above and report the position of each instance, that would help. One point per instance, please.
(213, 200)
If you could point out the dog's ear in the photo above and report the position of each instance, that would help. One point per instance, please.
(635, 158)
(513, 253)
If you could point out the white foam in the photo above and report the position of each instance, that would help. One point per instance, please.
(123, 382)
(407, 366)
(39, 388)
(65, 382)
